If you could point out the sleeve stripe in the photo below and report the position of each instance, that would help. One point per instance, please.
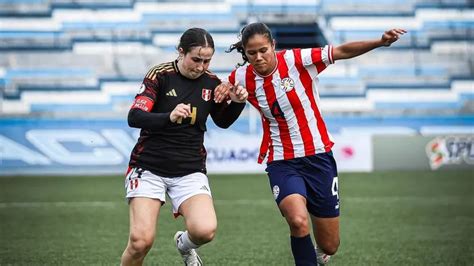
(330, 55)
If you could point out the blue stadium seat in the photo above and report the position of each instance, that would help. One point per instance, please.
(105, 47)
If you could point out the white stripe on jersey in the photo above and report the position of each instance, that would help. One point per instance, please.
(326, 55)
(306, 57)
(240, 76)
(290, 118)
(305, 102)
(308, 62)
(292, 121)
(313, 72)
(303, 98)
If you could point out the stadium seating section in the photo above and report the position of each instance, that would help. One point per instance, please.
(84, 58)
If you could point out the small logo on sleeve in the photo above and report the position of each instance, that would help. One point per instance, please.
(142, 89)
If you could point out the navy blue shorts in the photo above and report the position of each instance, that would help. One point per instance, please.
(314, 177)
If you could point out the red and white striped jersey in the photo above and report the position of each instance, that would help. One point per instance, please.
(289, 103)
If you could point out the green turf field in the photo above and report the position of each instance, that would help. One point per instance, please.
(403, 218)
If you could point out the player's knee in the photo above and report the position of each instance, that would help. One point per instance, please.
(140, 245)
(329, 247)
(298, 223)
(203, 235)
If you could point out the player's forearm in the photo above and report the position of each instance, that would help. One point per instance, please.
(226, 116)
(140, 119)
(353, 49)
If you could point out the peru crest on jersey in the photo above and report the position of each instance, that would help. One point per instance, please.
(206, 94)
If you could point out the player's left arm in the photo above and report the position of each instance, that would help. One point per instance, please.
(224, 114)
(353, 49)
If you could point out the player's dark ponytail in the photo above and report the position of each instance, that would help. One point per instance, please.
(195, 37)
(245, 34)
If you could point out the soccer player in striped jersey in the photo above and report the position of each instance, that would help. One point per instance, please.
(171, 109)
(296, 143)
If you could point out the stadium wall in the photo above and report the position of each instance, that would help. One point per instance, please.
(91, 147)
(434, 152)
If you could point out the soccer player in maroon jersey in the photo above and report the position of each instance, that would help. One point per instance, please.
(300, 165)
(171, 109)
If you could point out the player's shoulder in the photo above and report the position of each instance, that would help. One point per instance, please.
(289, 52)
(212, 76)
(161, 69)
(241, 69)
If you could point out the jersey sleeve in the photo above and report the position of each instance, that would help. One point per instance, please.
(320, 57)
(231, 77)
(146, 96)
(224, 114)
(140, 114)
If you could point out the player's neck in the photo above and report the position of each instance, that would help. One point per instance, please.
(270, 70)
(182, 70)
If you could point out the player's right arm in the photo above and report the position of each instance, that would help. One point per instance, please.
(181, 111)
(140, 115)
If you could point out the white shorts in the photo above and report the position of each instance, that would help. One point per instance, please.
(145, 184)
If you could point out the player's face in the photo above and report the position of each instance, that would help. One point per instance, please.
(195, 62)
(260, 52)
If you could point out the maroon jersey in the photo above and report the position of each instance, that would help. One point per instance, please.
(176, 149)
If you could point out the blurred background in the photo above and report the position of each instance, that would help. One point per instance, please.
(69, 70)
(400, 116)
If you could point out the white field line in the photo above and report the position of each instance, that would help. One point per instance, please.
(248, 202)
(39, 204)
(112, 204)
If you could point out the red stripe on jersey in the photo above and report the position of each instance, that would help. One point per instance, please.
(250, 86)
(143, 103)
(252, 99)
(232, 77)
(288, 151)
(317, 59)
(297, 106)
(307, 83)
(266, 142)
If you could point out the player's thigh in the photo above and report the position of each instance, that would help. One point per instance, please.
(191, 197)
(141, 183)
(320, 174)
(199, 214)
(143, 216)
(287, 185)
(293, 205)
(326, 230)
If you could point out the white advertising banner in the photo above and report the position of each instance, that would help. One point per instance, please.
(233, 152)
(74, 147)
(353, 153)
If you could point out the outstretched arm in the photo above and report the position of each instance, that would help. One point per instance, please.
(353, 49)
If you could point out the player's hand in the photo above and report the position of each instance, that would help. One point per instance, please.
(238, 93)
(392, 36)
(180, 111)
(222, 92)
